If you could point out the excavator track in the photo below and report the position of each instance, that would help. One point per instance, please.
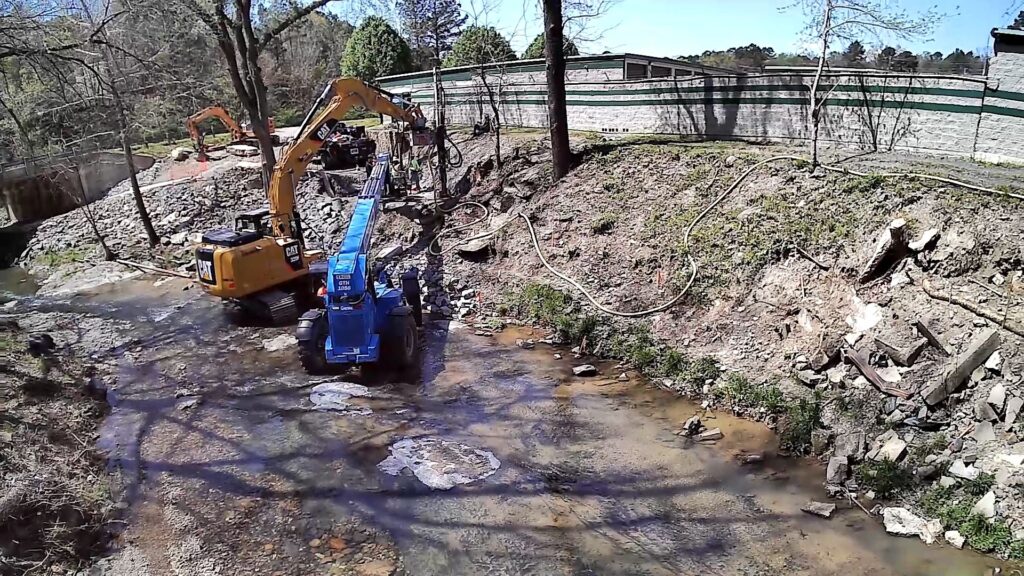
(275, 306)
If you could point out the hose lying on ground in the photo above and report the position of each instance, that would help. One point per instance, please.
(686, 237)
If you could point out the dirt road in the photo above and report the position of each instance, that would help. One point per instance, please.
(230, 468)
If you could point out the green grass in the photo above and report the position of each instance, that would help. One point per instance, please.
(638, 347)
(980, 485)
(953, 507)
(800, 421)
(541, 304)
(740, 391)
(604, 224)
(163, 149)
(8, 343)
(887, 478)
(55, 258)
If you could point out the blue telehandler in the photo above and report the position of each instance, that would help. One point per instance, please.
(365, 318)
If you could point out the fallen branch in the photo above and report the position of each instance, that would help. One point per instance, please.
(810, 258)
(1011, 325)
(988, 288)
(855, 501)
(869, 373)
(154, 269)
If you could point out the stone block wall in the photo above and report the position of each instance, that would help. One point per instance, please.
(1001, 126)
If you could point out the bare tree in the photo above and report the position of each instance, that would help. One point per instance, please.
(241, 41)
(829, 21)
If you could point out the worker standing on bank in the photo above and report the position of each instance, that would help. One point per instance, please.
(414, 173)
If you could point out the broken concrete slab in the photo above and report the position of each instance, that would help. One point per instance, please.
(823, 509)
(997, 397)
(983, 411)
(947, 482)
(1013, 407)
(980, 348)
(242, 150)
(851, 445)
(892, 450)
(585, 370)
(902, 356)
(838, 468)
(983, 432)
(955, 539)
(392, 251)
(475, 247)
(960, 470)
(986, 506)
(927, 328)
(1014, 459)
(710, 435)
(994, 362)
(903, 522)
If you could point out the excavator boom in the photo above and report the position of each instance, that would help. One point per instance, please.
(261, 264)
(340, 96)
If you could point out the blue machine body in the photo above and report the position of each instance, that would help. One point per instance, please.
(357, 304)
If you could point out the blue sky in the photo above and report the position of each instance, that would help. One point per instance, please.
(681, 27)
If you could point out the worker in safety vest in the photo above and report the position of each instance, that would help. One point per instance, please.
(414, 173)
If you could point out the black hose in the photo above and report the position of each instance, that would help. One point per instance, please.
(453, 163)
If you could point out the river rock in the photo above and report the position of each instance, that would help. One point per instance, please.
(823, 509)
(954, 538)
(986, 506)
(692, 426)
(903, 522)
(585, 370)
(947, 482)
(819, 441)
(994, 362)
(838, 467)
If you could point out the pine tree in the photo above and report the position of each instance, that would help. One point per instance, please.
(431, 27)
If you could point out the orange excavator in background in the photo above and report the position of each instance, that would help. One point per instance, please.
(220, 113)
(262, 264)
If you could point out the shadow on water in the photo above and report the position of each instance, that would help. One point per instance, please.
(592, 480)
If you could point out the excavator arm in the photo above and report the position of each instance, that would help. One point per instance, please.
(218, 112)
(340, 96)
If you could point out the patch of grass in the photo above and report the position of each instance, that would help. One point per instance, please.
(55, 258)
(638, 347)
(985, 536)
(1016, 550)
(862, 184)
(936, 500)
(740, 391)
(542, 304)
(604, 224)
(980, 485)
(800, 421)
(8, 342)
(885, 477)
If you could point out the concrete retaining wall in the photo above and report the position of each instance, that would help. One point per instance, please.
(40, 190)
(957, 116)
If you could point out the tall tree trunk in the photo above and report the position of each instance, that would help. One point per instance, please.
(557, 120)
(816, 103)
(129, 161)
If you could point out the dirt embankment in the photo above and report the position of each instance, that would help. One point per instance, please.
(777, 311)
(55, 496)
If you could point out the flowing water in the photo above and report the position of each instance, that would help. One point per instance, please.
(589, 477)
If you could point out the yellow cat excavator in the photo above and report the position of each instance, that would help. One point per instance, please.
(262, 264)
(220, 113)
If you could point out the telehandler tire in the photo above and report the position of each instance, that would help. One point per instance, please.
(312, 336)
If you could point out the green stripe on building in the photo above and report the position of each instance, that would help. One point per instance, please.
(915, 90)
(762, 101)
(1002, 111)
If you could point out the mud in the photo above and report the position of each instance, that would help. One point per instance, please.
(252, 478)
